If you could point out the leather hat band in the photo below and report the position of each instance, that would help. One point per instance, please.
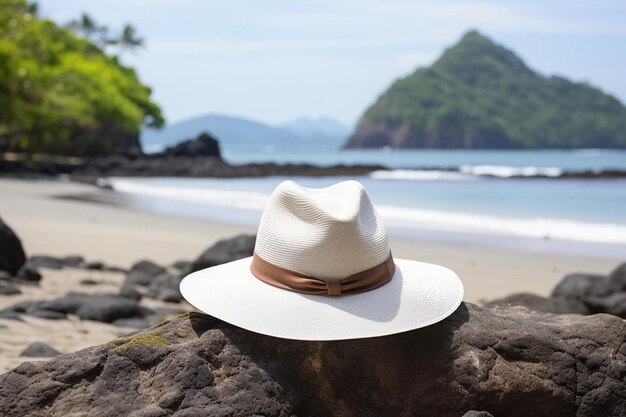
(286, 279)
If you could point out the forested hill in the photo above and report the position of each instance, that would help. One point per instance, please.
(481, 95)
(60, 93)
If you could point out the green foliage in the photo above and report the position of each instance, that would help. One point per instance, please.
(60, 93)
(480, 95)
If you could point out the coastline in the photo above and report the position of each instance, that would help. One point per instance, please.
(118, 235)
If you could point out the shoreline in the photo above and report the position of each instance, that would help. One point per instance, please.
(89, 170)
(120, 235)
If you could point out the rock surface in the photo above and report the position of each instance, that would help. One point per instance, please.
(45, 261)
(53, 262)
(226, 250)
(98, 307)
(578, 286)
(599, 293)
(143, 272)
(40, 350)
(147, 279)
(9, 290)
(12, 255)
(617, 278)
(543, 304)
(578, 293)
(28, 273)
(507, 361)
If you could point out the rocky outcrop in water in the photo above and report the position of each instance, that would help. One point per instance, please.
(505, 360)
(204, 145)
(89, 170)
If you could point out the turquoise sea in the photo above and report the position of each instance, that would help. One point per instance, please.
(463, 196)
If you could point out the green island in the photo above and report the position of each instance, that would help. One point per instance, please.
(481, 95)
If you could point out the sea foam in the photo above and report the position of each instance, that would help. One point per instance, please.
(467, 172)
(417, 175)
(503, 171)
(398, 217)
(246, 200)
(535, 227)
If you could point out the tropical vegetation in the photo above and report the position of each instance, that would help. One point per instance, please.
(62, 93)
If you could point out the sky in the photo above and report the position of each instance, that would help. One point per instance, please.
(278, 60)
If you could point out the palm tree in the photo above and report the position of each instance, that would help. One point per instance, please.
(32, 8)
(86, 25)
(129, 39)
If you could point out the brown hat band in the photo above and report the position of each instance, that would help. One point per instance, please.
(306, 284)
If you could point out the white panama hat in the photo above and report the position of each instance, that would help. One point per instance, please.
(315, 242)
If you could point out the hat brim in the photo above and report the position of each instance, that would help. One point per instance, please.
(418, 295)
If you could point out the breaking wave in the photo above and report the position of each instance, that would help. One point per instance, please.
(466, 172)
(394, 216)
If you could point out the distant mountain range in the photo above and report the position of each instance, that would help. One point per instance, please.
(240, 134)
(481, 95)
(320, 128)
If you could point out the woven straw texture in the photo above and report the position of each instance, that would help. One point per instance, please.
(329, 233)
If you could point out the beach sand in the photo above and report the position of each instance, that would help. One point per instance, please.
(119, 236)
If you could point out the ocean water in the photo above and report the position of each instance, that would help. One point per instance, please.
(463, 196)
(566, 160)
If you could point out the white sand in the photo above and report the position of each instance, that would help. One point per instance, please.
(119, 236)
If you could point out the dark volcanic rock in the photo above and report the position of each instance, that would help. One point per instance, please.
(99, 307)
(52, 262)
(32, 308)
(45, 261)
(47, 314)
(226, 250)
(10, 315)
(579, 286)
(601, 294)
(9, 290)
(143, 272)
(95, 265)
(12, 255)
(146, 278)
(40, 350)
(28, 273)
(617, 279)
(184, 267)
(74, 261)
(165, 287)
(507, 361)
(612, 304)
(188, 166)
(203, 146)
(543, 304)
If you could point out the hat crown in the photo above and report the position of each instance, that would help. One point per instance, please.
(329, 233)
